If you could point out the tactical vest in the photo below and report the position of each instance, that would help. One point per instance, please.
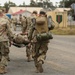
(3, 27)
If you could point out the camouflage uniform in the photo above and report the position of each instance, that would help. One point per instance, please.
(5, 34)
(39, 49)
(28, 23)
(29, 46)
(14, 21)
(24, 24)
(24, 29)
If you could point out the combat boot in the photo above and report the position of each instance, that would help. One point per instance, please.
(29, 59)
(2, 70)
(39, 68)
(8, 58)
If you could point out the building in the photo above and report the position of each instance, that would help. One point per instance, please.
(59, 16)
(30, 9)
(25, 11)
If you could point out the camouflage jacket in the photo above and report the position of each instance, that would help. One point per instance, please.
(5, 31)
(24, 22)
(31, 32)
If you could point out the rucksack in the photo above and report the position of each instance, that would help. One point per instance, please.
(41, 27)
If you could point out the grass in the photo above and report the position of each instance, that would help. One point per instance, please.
(70, 30)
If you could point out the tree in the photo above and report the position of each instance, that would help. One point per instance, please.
(0, 6)
(67, 3)
(22, 5)
(56, 4)
(8, 5)
(32, 3)
(41, 3)
(11, 4)
(44, 3)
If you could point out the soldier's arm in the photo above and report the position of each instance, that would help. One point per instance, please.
(9, 31)
(50, 23)
(30, 33)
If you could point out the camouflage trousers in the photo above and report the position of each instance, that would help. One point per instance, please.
(4, 53)
(28, 51)
(24, 29)
(39, 52)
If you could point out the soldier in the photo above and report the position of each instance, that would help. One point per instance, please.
(24, 24)
(5, 34)
(20, 20)
(29, 23)
(29, 47)
(40, 44)
(14, 21)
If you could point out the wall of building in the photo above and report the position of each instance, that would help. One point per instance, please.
(62, 17)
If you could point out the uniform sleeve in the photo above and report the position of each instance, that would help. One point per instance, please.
(30, 33)
(9, 31)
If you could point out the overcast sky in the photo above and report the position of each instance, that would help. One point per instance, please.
(18, 2)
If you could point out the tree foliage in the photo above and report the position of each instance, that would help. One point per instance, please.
(9, 4)
(41, 3)
(67, 3)
(32, 3)
(22, 5)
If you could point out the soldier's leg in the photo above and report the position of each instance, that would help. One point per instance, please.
(7, 51)
(1, 68)
(14, 27)
(35, 54)
(0, 56)
(38, 65)
(4, 61)
(33, 50)
(28, 53)
(40, 57)
(7, 54)
(0, 52)
(23, 29)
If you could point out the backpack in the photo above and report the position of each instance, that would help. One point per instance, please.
(41, 27)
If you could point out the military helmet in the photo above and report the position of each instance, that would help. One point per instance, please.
(20, 14)
(42, 12)
(34, 12)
